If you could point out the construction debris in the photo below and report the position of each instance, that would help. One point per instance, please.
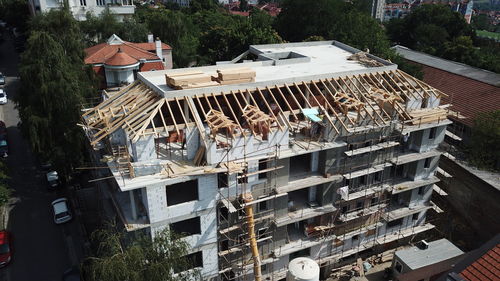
(364, 59)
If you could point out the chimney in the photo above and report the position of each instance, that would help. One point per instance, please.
(150, 38)
(159, 51)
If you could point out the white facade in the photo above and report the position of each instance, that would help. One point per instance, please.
(120, 8)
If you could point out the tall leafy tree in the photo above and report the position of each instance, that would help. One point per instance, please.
(54, 84)
(177, 29)
(485, 140)
(332, 20)
(117, 259)
(228, 36)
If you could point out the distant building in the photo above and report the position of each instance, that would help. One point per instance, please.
(378, 9)
(396, 10)
(79, 8)
(117, 62)
(425, 261)
(272, 9)
(399, 10)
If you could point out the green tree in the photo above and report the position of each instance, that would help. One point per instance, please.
(485, 140)
(332, 20)
(15, 13)
(54, 83)
(427, 28)
(260, 19)
(243, 5)
(229, 36)
(143, 258)
(177, 29)
(5, 191)
(203, 5)
(98, 29)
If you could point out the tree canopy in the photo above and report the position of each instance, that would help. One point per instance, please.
(117, 258)
(437, 30)
(54, 83)
(485, 139)
(332, 20)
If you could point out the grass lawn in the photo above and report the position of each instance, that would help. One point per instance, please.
(484, 33)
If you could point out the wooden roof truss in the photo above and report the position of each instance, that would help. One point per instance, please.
(141, 112)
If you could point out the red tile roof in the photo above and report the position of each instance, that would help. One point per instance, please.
(121, 59)
(467, 96)
(487, 267)
(102, 52)
(151, 47)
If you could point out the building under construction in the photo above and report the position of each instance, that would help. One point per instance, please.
(305, 149)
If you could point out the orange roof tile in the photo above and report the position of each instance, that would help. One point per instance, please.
(152, 46)
(487, 267)
(120, 59)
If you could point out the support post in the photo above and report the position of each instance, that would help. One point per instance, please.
(251, 235)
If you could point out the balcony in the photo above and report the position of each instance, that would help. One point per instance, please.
(413, 156)
(304, 180)
(403, 211)
(403, 185)
(303, 210)
(362, 212)
(131, 211)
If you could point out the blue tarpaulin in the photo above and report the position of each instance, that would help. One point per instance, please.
(311, 113)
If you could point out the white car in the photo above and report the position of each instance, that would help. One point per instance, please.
(3, 97)
(61, 211)
(52, 179)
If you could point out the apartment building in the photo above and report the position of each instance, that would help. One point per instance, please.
(312, 149)
(79, 8)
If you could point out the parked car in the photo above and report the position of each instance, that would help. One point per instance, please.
(61, 211)
(3, 96)
(3, 129)
(4, 147)
(5, 248)
(2, 79)
(52, 179)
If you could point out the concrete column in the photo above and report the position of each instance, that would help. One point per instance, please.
(132, 204)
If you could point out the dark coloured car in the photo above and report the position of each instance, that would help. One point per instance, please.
(4, 147)
(5, 248)
(2, 79)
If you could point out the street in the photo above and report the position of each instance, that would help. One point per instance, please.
(42, 249)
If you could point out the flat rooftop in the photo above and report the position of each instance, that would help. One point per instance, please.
(438, 251)
(278, 64)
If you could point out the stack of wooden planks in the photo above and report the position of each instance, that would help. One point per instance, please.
(189, 80)
(430, 115)
(235, 76)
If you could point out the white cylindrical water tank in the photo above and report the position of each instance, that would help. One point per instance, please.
(302, 269)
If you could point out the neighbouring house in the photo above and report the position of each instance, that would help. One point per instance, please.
(311, 149)
(425, 261)
(122, 9)
(481, 264)
(116, 62)
(471, 193)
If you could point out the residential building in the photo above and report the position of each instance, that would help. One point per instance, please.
(378, 9)
(117, 62)
(122, 9)
(313, 149)
(469, 192)
(426, 261)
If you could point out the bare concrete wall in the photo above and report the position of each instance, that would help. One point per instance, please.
(475, 200)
